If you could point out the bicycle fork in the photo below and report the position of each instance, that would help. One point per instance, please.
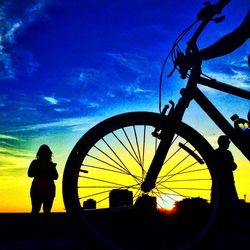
(166, 136)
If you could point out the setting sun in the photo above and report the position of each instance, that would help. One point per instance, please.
(167, 202)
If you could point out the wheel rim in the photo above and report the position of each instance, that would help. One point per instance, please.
(119, 159)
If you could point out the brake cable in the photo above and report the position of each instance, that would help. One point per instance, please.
(173, 55)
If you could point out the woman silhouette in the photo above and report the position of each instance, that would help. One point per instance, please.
(43, 188)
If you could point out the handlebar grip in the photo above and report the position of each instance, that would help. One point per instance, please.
(207, 13)
(221, 4)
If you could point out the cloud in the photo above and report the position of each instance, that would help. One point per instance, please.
(232, 69)
(132, 62)
(11, 33)
(3, 99)
(60, 110)
(237, 79)
(59, 124)
(135, 90)
(94, 105)
(82, 77)
(56, 101)
(111, 94)
(14, 152)
(11, 26)
(51, 100)
(8, 137)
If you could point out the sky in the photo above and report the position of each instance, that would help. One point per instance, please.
(67, 65)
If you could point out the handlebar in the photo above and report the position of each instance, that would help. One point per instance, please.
(206, 14)
(210, 10)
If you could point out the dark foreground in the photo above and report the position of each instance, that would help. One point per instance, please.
(18, 231)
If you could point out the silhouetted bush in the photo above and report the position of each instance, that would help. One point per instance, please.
(191, 205)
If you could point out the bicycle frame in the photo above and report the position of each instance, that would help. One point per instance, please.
(237, 137)
(192, 92)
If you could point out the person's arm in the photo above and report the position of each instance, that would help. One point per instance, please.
(54, 173)
(230, 161)
(229, 42)
(32, 169)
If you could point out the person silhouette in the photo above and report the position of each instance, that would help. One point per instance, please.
(226, 166)
(43, 170)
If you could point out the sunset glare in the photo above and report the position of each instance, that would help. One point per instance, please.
(167, 202)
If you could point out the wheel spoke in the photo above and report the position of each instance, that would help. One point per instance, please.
(102, 161)
(186, 188)
(143, 153)
(137, 145)
(131, 145)
(189, 171)
(116, 155)
(174, 167)
(188, 180)
(119, 140)
(94, 194)
(105, 169)
(174, 153)
(111, 158)
(104, 181)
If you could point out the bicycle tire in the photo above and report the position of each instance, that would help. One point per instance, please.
(101, 227)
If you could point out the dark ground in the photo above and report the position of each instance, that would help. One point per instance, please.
(18, 231)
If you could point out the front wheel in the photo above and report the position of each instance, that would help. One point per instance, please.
(103, 176)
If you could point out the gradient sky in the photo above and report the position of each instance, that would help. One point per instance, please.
(66, 65)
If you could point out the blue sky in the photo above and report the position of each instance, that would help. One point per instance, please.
(65, 65)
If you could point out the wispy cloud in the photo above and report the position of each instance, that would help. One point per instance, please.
(61, 104)
(83, 77)
(51, 100)
(94, 105)
(238, 79)
(135, 90)
(8, 137)
(135, 63)
(3, 99)
(14, 152)
(231, 70)
(59, 124)
(60, 110)
(11, 27)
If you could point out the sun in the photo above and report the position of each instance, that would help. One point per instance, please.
(167, 201)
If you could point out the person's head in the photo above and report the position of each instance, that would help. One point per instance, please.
(223, 141)
(44, 153)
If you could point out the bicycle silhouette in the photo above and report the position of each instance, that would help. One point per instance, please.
(157, 157)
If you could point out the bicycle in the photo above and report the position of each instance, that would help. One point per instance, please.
(152, 154)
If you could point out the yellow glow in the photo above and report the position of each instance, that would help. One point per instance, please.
(15, 184)
(180, 176)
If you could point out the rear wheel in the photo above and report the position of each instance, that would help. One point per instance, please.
(103, 176)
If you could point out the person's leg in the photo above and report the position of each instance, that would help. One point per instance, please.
(36, 201)
(47, 204)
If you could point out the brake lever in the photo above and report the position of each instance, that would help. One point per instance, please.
(182, 63)
(172, 71)
(209, 11)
